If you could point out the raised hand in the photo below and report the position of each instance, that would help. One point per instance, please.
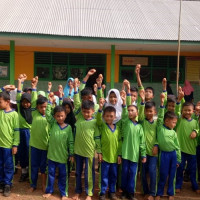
(164, 84)
(60, 90)
(101, 103)
(49, 86)
(180, 94)
(51, 97)
(91, 72)
(123, 96)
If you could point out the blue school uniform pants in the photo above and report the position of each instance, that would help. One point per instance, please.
(149, 168)
(129, 176)
(108, 177)
(38, 161)
(191, 166)
(167, 168)
(89, 174)
(24, 147)
(6, 166)
(62, 177)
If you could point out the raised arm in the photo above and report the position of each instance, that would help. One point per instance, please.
(141, 106)
(48, 112)
(34, 95)
(178, 104)
(161, 111)
(164, 85)
(99, 113)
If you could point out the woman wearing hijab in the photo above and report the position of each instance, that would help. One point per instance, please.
(188, 91)
(67, 91)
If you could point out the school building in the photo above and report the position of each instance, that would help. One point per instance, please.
(56, 39)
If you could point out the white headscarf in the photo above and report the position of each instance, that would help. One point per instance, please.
(117, 106)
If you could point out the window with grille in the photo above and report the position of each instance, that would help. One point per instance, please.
(60, 66)
(4, 64)
(154, 68)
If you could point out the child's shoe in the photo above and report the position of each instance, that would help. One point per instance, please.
(1, 187)
(23, 177)
(112, 196)
(6, 191)
(102, 197)
(157, 198)
(131, 197)
(150, 198)
(124, 195)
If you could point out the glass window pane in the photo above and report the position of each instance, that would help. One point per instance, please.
(42, 58)
(145, 74)
(59, 58)
(43, 72)
(95, 59)
(160, 61)
(127, 74)
(158, 74)
(60, 73)
(77, 73)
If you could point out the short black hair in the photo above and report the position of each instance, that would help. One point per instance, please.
(187, 104)
(170, 115)
(150, 104)
(59, 109)
(5, 95)
(86, 92)
(87, 104)
(134, 107)
(150, 88)
(171, 100)
(41, 100)
(109, 109)
(27, 89)
(133, 89)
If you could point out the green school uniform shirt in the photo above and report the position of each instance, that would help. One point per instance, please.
(149, 128)
(133, 140)
(110, 140)
(60, 140)
(87, 137)
(9, 129)
(40, 128)
(184, 129)
(167, 138)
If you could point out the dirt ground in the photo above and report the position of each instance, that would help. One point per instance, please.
(20, 191)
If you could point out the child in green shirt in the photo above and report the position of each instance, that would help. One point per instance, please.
(9, 141)
(133, 145)
(87, 140)
(110, 148)
(60, 140)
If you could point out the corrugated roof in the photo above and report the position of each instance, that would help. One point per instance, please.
(121, 19)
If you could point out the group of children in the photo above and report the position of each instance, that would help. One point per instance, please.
(50, 132)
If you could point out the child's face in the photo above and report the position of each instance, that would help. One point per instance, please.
(132, 112)
(87, 97)
(25, 103)
(148, 95)
(134, 96)
(70, 82)
(187, 111)
(171, 123)
(171, 106)
(197, 108)
(42, 108)
(60, 117)
(3, 103)
(87, 113)
(149, 113)
(67, 109)
(113, 98)
(109, 117)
